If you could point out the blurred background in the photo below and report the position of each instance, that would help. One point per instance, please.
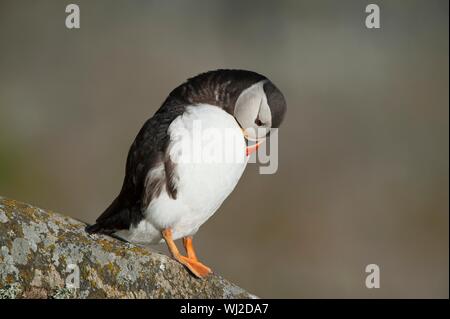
(363, 166)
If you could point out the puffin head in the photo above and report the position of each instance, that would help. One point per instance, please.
(255, 102)
(258, 109)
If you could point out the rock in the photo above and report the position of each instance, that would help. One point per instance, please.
(47, 255)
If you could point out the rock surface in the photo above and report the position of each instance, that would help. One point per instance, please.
(47, 255)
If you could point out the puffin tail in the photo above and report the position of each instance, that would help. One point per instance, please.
(114, 218)
(92, 229)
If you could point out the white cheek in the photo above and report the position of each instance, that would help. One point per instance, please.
(265, 115)
(246, 111)
(249, 103)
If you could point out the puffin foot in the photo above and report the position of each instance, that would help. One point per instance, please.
(196, 267)
(190, 262)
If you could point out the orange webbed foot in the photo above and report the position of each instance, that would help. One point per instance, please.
(190, 262)
(196, 267)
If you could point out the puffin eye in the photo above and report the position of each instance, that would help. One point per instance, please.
(258, 122)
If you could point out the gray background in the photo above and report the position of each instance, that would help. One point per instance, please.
(363, 175)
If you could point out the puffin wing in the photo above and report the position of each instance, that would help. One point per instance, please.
(148, 170)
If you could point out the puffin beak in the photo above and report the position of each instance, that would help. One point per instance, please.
(249, 150)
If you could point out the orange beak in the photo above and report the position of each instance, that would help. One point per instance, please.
(249, 150)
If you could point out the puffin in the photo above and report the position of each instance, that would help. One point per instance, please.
(187, 159)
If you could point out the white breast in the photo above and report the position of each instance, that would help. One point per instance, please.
(208, 148)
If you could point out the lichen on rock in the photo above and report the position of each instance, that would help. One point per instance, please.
(47, 255)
